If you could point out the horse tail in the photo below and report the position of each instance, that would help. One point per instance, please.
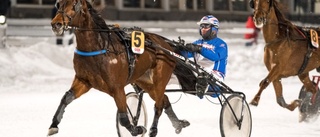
(185, 76)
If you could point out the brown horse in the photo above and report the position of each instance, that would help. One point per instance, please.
(103, 61)
(288, 52)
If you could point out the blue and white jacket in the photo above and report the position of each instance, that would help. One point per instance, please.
(215, 50)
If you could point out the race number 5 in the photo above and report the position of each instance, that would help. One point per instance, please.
(137, 42)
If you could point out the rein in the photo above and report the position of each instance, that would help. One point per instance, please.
(99, 30)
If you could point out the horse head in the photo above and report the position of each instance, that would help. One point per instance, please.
(261, 10)
(69, 15)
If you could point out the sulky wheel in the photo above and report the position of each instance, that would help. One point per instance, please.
(132, 108)
(309, 112)
(235, 119)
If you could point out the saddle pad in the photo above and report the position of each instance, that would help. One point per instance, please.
(137, 42)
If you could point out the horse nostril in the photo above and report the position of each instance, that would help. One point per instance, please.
(56, 25)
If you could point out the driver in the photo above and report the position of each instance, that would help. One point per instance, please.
(213, 49)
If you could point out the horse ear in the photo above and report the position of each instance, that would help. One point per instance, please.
(78, 6)
(98, 5)
(251, 4)
(90, 1)
(57, 5)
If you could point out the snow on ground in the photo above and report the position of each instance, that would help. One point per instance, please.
(33, 79)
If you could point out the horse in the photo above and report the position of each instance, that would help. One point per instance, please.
(103, 61)
(288, 52)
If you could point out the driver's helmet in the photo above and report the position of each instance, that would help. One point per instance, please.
(209, 19)
(214, 22)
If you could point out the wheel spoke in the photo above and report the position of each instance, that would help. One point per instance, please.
(235, 117)
(135, 116)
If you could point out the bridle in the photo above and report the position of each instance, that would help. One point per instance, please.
(77, 7)
(79, 12)
(265, 13)
(251, 3)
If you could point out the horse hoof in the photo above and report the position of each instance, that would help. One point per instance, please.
(254, 103)
(297, 103)
(185, 123)
(142, 129)
(178, 131)
(53, 131)
(182, 124)
(153, 132)
(138, 130)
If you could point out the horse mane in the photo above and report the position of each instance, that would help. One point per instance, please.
(100, 24)
(97, 17)
(283, 22)
(281, 18)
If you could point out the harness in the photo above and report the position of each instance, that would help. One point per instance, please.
(311, 48)
(125, 38)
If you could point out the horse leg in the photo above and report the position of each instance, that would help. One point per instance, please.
(176, 123)
(263, 84)
(273, 74)
(120, 99)
(156, 92)
(279, 96)
(77, 89)
(158, 108)
(310, 87)
(154, 127)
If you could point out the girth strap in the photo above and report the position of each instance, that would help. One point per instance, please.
(306, 59)
(130, 55)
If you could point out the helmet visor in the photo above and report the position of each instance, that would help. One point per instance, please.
(205, 26)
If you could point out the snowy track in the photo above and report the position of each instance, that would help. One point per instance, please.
(33, 79)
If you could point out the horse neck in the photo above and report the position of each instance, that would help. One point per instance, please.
(88, 39)
(271, 28)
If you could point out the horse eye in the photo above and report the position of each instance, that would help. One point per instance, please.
(251, 4)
